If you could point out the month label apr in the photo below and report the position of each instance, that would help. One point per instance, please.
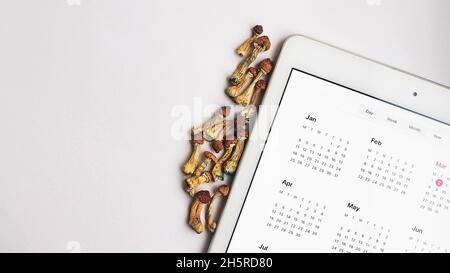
(286, 183)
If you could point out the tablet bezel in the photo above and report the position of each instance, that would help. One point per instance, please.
(337, 65)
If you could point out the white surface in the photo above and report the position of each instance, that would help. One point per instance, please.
(349, 70)
(87, 94)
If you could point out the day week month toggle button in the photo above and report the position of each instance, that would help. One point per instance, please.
(392, 120)
(367, 113)
(370, 114)
(438, 137)
(415, 128)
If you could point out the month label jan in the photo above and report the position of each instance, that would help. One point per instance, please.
(311, 118)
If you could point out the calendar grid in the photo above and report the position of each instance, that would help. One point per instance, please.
(295, 215)
(320, 151)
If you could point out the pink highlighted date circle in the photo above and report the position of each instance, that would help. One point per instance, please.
(439, 182)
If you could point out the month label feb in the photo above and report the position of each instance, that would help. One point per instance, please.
(376, 141)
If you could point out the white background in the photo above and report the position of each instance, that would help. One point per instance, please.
(89, 143)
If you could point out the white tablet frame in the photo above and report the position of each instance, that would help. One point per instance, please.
(340, 66)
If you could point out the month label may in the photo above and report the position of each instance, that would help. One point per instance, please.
(353, 207)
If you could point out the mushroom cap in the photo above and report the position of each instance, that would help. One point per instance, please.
(266, 65)
(203, 197)
(261, 85)
(217, 145)
(253, 71)
(210, 155)
(258, 29)
(263, 41)
(224, 190)
(225, 110)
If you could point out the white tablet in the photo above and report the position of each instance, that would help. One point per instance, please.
(354, 159)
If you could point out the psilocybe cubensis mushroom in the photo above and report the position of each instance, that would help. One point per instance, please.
(265, 67)
(220, 191)
(261, 44)
(243, 49)
(201, 198)
(209, 167)
(235, 90)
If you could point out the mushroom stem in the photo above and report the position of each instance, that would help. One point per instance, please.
(237, 76)
(265, 67)
(217, 132)
(217, 171)
(221, 191)
(209, 157)
(194, 216)
(194, 181)
(235, 90)
(191, 164)
(217, 118)
(201, 198)
(248, 112)
(231, 165)
(260, 87)
(244, 98)
(202, 167)
(245, 46)
(261, 44)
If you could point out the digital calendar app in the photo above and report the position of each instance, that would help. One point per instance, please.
(347, 173)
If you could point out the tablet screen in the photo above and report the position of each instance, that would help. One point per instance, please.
(342, 171)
